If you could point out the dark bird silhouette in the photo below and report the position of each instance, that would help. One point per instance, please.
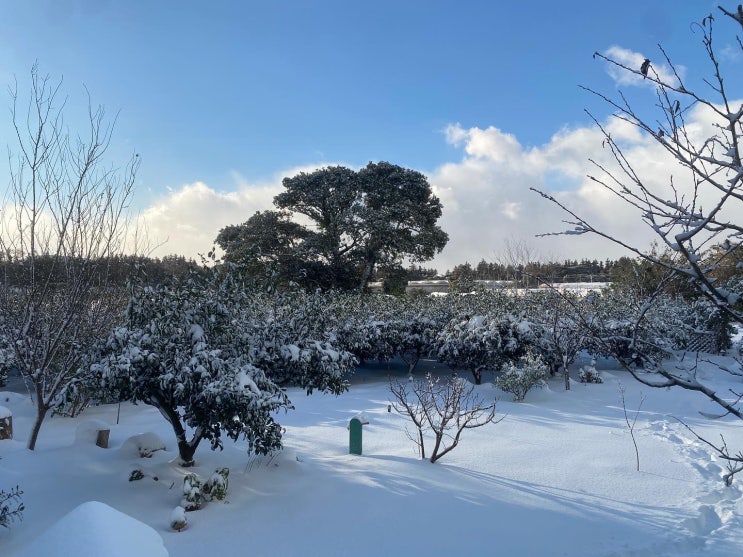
(676, 107)
(738, 16)
(645, 67)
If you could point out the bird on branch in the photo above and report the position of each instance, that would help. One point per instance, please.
(645, 67)
(738, 16)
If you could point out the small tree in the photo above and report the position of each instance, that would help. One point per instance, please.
(695, 217)
(565, 336)
(62, 219)
(446, 409)
(485, 342)
(183, 352)
(471, 343)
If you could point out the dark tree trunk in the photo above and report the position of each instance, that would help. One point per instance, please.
(41, 410)
(186, 448)
(366, 274)
(40, 415)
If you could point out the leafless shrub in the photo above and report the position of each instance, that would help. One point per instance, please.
(445, 409)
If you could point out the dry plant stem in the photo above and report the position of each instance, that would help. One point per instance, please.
(631, 423)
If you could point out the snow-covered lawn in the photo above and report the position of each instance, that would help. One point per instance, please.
(555, 477)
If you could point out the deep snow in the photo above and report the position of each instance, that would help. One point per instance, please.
(555, 477)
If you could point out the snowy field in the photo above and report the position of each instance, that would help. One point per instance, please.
(556, 477)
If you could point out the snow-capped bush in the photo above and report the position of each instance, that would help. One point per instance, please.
(192, 497)
(518, 378)
(143, 445)
(589, 374)
(11, 507)
(178, 519)
(7, 360)
(486, 342)
(216, 486)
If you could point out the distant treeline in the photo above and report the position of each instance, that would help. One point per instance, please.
(569, 270)
(112, 271)
(530, 274)
(115, 271)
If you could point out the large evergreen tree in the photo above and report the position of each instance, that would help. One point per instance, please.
(359, 221)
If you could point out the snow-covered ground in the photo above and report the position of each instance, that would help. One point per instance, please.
(555, 477)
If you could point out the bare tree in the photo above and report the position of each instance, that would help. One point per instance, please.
(687, 220)
(446, 409)
(697, 218)
(63, 218)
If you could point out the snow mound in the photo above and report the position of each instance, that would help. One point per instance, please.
(94, 529)
(143, 445)
(5, 412)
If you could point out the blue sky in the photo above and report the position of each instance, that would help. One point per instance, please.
(234, 95)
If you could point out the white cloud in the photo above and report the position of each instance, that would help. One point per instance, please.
(187, 219)
(488, 202)
(486, 195)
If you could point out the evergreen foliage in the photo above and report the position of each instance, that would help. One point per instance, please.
(518, 378)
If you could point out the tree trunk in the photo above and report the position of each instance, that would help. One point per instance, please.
(422, 446)
(186, 448)
(186, 452)
(477, 374)
(41, 410)
(368, 270)
(566, 372)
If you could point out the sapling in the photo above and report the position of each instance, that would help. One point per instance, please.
(631, 423)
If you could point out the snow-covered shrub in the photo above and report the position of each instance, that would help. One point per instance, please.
(192, 500)
(589, 374)
(216, 486)
(416, 338)
(292, 337)
(184, 350)
(518, 378)
(178, 519)
(143, 445)
(486, 342)
(702, 316)
(7, 360)
(11, 507)
(73, 401)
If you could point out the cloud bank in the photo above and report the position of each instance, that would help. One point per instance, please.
(488, 203)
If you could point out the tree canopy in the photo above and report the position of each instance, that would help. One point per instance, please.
(359, 221)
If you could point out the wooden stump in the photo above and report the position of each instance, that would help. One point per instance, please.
(101, 439)
(6, 428)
